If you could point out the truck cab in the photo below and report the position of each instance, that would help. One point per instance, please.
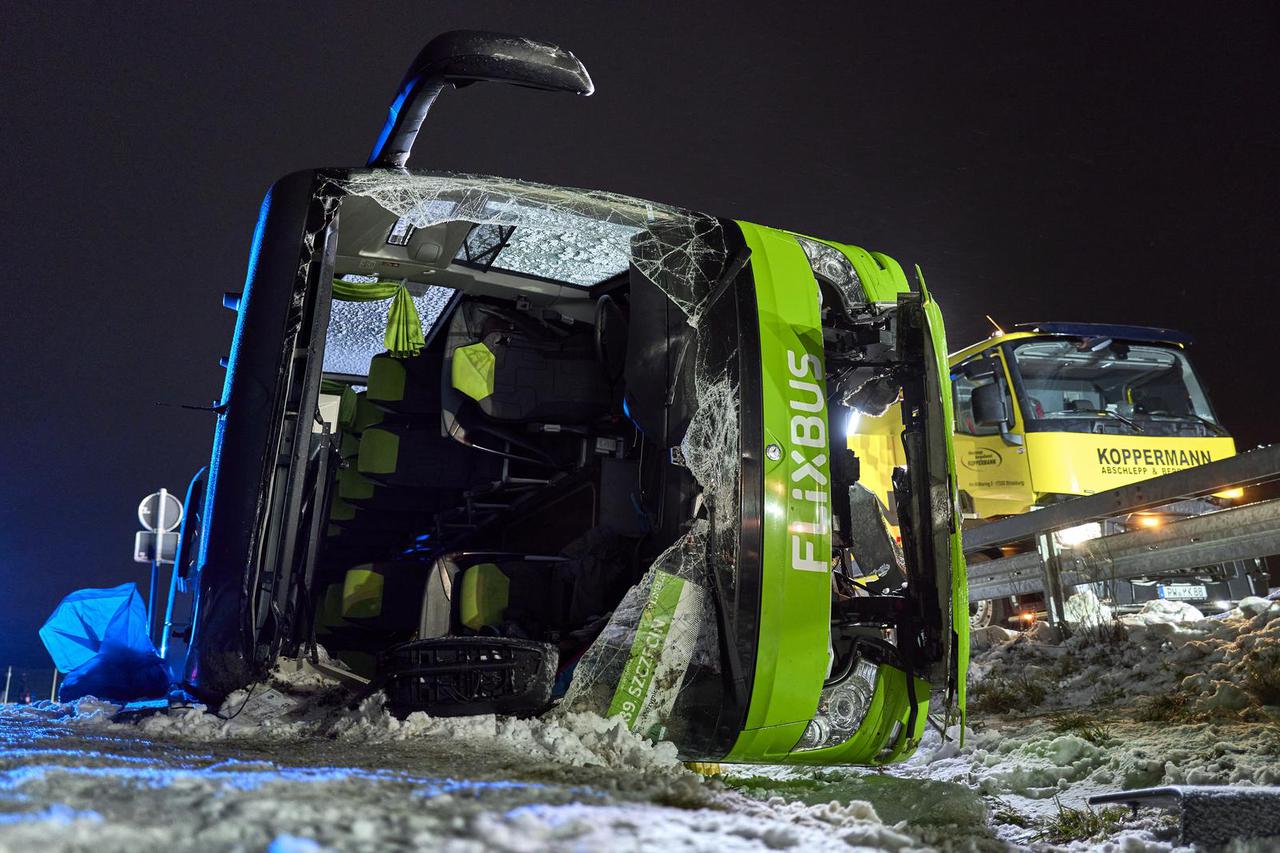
(1050, 411)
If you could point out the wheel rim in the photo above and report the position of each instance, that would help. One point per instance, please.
(980, 614)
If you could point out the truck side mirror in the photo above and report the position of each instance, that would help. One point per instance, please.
(991, 408)
(463, 57)
(989, 405)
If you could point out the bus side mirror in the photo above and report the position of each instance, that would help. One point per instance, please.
(989, 405)
(460, 58)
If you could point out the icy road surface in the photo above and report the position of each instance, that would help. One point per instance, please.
(1167, 698)
(73, 782)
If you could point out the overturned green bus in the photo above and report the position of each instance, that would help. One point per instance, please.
(505, 447)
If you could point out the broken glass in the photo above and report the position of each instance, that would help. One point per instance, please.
(577, 236)
(355, 333)
(658, 660)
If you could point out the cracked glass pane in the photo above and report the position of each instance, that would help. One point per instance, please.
(585, 254)
(356, 329)
(578, 236)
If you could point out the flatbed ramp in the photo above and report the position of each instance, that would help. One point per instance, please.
(1209, 814)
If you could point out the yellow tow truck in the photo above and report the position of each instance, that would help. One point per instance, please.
(1050, 411)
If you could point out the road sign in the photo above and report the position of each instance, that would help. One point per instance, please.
(160, 511)
(146, 550)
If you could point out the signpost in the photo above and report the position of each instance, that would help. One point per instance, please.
(160, 513)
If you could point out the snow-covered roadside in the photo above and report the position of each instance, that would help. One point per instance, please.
(287, 766)
(1164, 697)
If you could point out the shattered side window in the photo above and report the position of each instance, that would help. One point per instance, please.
(658, 662)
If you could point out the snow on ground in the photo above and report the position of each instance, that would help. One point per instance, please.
(287, 766)
(1163, 697)
(317, 775)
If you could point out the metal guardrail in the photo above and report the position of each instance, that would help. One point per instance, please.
(1238, 533)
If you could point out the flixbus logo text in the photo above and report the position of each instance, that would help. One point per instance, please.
(810, 514)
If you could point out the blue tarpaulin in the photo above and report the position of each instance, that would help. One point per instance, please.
(99, 639)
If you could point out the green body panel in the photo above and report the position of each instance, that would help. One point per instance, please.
(795, 607)
(881, 276)
(959, 581)
(795, 604)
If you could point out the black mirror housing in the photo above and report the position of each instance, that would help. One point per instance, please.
(463, 57)
(990, 406)
(471, 56)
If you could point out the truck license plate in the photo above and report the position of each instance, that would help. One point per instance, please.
(1182, 591)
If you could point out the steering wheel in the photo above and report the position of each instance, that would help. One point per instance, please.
(611, 337)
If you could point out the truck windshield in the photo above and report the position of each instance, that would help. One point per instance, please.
(1077, 385)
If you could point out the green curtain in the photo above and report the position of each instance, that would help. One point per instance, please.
(332, 386)
(403, 337)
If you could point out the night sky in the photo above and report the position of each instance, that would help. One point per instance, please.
(1117, 164)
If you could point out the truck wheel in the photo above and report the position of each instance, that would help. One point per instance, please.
(980, 614)
(989, 612)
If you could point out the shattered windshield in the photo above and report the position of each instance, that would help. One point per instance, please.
(580, 237)
(1112, 386)
(585, 254)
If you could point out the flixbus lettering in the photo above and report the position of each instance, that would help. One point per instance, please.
(807, 401)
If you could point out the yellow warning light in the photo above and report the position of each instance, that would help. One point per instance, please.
(1149, 520)
(1230, 494)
